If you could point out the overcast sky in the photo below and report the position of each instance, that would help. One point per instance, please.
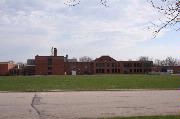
(31, 27)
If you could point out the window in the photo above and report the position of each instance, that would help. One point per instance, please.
(100, 65)
(115, 70)
(127, 65)
(49, 68)
(107, 70)
(112, 70)
(49, 61)
(139, 65)
(96, 64)
(135, 65)
(102, 70)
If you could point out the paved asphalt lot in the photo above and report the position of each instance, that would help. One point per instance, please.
(87, 104)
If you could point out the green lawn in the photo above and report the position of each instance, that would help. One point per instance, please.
(91, 82)
(154, 117)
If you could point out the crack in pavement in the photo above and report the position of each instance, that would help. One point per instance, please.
(36, 101)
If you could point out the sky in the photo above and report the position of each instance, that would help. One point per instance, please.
(31, 27)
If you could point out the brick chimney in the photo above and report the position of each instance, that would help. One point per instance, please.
(55, 51)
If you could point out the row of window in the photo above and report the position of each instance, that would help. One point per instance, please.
(133, 65)
(147, 64)
(107, 65)
(101, 65)
(118, 70)
(136, 70)
(108, 71)
(139, 70)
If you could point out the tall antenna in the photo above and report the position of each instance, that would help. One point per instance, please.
(52, 51)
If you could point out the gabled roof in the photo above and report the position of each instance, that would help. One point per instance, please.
(105, 59)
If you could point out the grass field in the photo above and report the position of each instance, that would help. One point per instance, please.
(154, 117)
(90, 82)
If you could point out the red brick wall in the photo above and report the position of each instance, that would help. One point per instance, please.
(176, 69)
(5, 67)
(42, 65)
(57, 66)
(110, 66)
(121, 67)
(136, 67)
(80, 67)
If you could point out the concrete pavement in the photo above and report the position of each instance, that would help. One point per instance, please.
(88, 104)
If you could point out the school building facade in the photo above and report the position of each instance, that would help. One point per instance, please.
(60, 65)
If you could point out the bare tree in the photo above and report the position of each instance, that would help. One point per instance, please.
(77, 2)
(157, 62)
(144, 58)
(72, 2)
(170, 61)
(72, 59)
(85, 59)
(170, 10)
(163, 63)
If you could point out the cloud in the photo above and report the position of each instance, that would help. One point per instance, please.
(86, 29)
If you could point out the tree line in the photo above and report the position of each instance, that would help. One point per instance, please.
(168, 61)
